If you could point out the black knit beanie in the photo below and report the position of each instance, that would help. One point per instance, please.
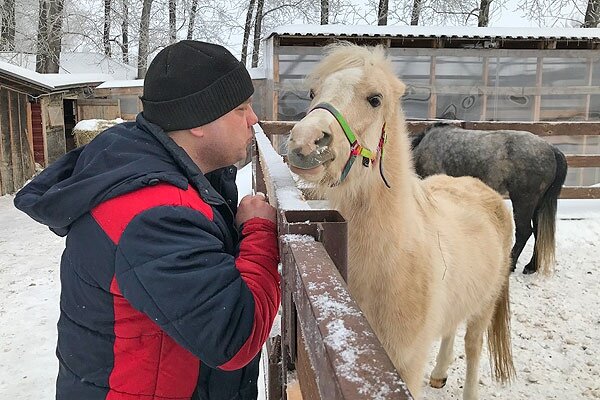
(192, 83)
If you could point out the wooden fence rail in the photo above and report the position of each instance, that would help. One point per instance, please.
(544, 129)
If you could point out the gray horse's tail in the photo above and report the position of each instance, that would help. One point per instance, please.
(545, 214)
(416, 139)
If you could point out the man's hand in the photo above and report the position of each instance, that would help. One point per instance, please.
(255, 206)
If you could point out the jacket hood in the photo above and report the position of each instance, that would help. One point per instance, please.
(121, 159)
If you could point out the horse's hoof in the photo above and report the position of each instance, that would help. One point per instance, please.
(437, 383)
(528, 270)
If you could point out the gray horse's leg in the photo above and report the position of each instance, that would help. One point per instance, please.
(530, 267)
(523, 214)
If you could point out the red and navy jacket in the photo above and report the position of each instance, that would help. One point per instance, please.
(162, 297)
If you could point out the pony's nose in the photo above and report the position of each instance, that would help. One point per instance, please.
(324, 141)
(300, 158)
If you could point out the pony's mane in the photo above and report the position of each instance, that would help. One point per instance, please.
(343, 55)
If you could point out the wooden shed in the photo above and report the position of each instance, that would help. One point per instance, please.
(37, 115)
(466, 73)
(460, 73)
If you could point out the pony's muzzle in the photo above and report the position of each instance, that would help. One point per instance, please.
(313, 159)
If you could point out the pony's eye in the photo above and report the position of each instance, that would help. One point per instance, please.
(311, 94)
(375, 100)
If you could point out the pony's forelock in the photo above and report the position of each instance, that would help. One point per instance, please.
(343, 55)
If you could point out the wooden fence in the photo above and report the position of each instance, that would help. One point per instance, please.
(543, 129)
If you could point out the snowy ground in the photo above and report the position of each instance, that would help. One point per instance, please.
(556, 322)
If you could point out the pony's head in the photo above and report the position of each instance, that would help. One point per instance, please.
(355, 93)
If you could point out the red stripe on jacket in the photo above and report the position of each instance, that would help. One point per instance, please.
(147, 361)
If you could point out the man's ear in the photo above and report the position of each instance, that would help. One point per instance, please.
(198, 131)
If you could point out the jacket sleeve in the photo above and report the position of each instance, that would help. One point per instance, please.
(171, 265)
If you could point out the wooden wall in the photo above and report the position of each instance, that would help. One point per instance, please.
(54, 126)
(16, 158)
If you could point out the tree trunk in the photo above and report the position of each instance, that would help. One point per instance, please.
(416, 12)
(257, 30)
(55, 16)
(143, 48)
(382, 12)
(7, 32)
(247, 29)
(172, 21)
(592, 14)
(41, 58)
(106, 34)
(484, 13)
(190, 33)
(125, 32)
(324, 12)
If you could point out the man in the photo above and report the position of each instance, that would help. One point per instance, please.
(168, 288)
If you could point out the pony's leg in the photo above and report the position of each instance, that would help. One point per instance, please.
(411, 370)
(473, 345)
(445, 356)
(523, 214)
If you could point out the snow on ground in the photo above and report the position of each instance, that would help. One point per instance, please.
(556, 322)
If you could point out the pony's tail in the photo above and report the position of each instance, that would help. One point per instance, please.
(498, 339)
(545, 214)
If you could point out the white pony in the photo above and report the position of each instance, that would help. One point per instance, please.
(424, 255)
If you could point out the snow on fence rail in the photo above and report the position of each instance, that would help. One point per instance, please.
(544, 129)
(325, 338)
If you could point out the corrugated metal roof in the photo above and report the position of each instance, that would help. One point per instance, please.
(467, 32)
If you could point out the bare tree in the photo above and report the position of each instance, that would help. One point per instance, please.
(484, 13)
(144, 39)
(193, 10)
(49, 36)
(592, 14)
(382, 12)
(257, 30)
(172, 21)
(41, 59)
(415, 12)
(324, 12)
(55, 17)
(247, 29)
(559, 12)
(7, 30)
(125, 32)
(106, 34)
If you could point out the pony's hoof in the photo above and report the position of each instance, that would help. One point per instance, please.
(437, 383)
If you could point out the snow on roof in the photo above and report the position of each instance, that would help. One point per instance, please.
(437, 31)
(77, 63)
(50, 82)
(24, 74)
(122, 84)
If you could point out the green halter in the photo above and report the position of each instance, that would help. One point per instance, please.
(355, 148)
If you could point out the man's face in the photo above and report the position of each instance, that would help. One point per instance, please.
(228, 137)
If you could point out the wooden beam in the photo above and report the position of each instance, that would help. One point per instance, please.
(567, 128)
(583, 161)
(580, 192)
(15, 140)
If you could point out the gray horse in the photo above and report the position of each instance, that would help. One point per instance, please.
(527, 168)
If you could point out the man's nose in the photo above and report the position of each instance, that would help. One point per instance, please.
(252, 118)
